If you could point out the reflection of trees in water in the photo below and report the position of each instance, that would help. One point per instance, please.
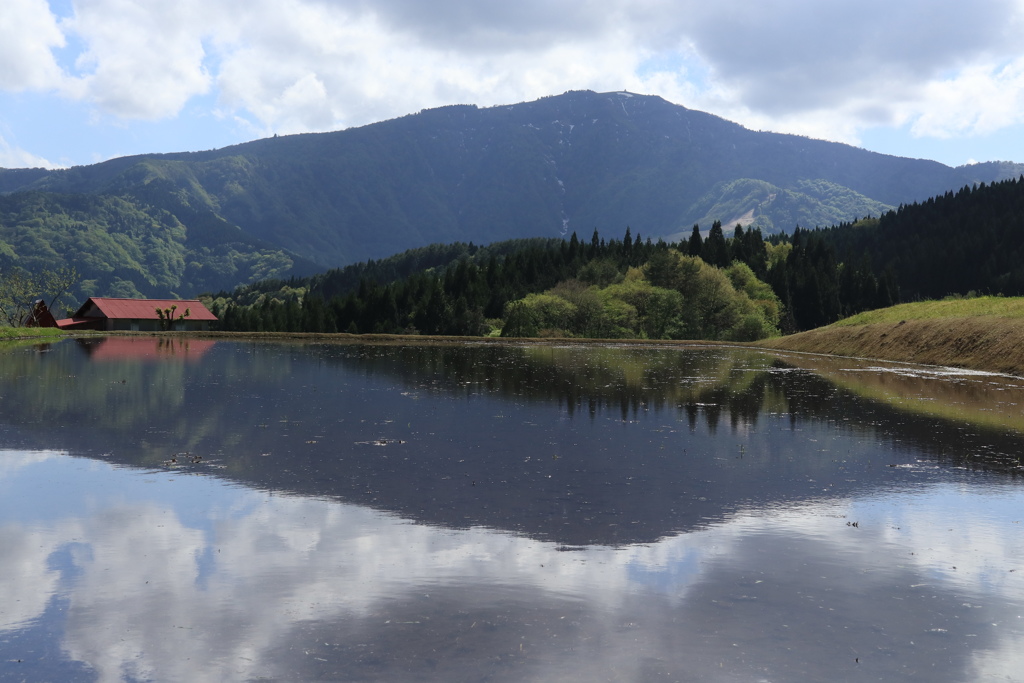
(172, 406)
(706, 384)
(957, 443)
(703, 384)
(585, 378)
(52, 387)
(64, 387)
(317, 410)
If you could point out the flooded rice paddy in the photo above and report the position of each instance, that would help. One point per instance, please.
(215, 511)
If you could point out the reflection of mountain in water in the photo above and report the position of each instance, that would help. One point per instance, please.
(255, 586)
(578, 445)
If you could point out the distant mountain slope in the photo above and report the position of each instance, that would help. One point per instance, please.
(124, 247)
(574, 162)
(758, 204)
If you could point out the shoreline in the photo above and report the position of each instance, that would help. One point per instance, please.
(982, 343)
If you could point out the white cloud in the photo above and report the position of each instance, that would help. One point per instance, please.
(150, 586)
(11, 462)
(143, 60)
(828, 70)
(978, 100)
(342, 67)
(28, 35)
(13, 157)
(29, 577)
(805, 55)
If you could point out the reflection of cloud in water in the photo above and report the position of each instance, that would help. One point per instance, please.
(270, 585)
(26, 582)
(12, 461)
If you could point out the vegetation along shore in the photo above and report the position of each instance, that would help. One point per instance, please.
(985, 333)
(832, 291)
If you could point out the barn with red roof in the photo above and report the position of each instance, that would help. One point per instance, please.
(141, 315)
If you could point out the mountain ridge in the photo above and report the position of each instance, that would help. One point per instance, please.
(579, 161)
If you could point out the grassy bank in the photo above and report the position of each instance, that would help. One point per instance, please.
(985, 333)
(7, 333)
(17, 337)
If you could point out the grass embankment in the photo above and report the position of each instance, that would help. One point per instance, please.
(28, 332)
(15, 337)
(985, 333)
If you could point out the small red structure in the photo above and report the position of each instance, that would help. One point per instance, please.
(140, 315)
(39, 316)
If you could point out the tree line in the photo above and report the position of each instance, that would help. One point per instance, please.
(958, 243)
(971, 240)
(706, 287)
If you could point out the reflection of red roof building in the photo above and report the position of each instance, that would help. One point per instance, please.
(99, 313)
(145, 348)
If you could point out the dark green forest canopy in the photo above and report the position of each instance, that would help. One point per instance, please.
(971, 240)
(630, 288)
(975, 236)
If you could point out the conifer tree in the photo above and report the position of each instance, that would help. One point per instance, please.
(715, 251)
(696, 245)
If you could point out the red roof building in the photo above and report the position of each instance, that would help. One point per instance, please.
(140, 315)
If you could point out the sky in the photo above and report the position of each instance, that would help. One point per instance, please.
(82, 81)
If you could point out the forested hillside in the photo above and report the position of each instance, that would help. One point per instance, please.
(714, 287)
(571, 163)
(959, 242)
(124, 247)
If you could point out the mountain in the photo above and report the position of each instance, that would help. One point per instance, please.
(125, 247)
(575, 162)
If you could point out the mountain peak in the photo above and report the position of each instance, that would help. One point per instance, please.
(578, 161)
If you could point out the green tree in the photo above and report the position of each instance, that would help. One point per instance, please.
(696, 245)
(167, 318)
(600, 271)
(19, 291)
(760, 293)
(656, 307)
(715, 250)
(662, 270)
(520, 320)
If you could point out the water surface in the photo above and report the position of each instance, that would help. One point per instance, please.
(190, 510)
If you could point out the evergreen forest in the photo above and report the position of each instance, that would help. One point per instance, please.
(715, 288)
(713, 285)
